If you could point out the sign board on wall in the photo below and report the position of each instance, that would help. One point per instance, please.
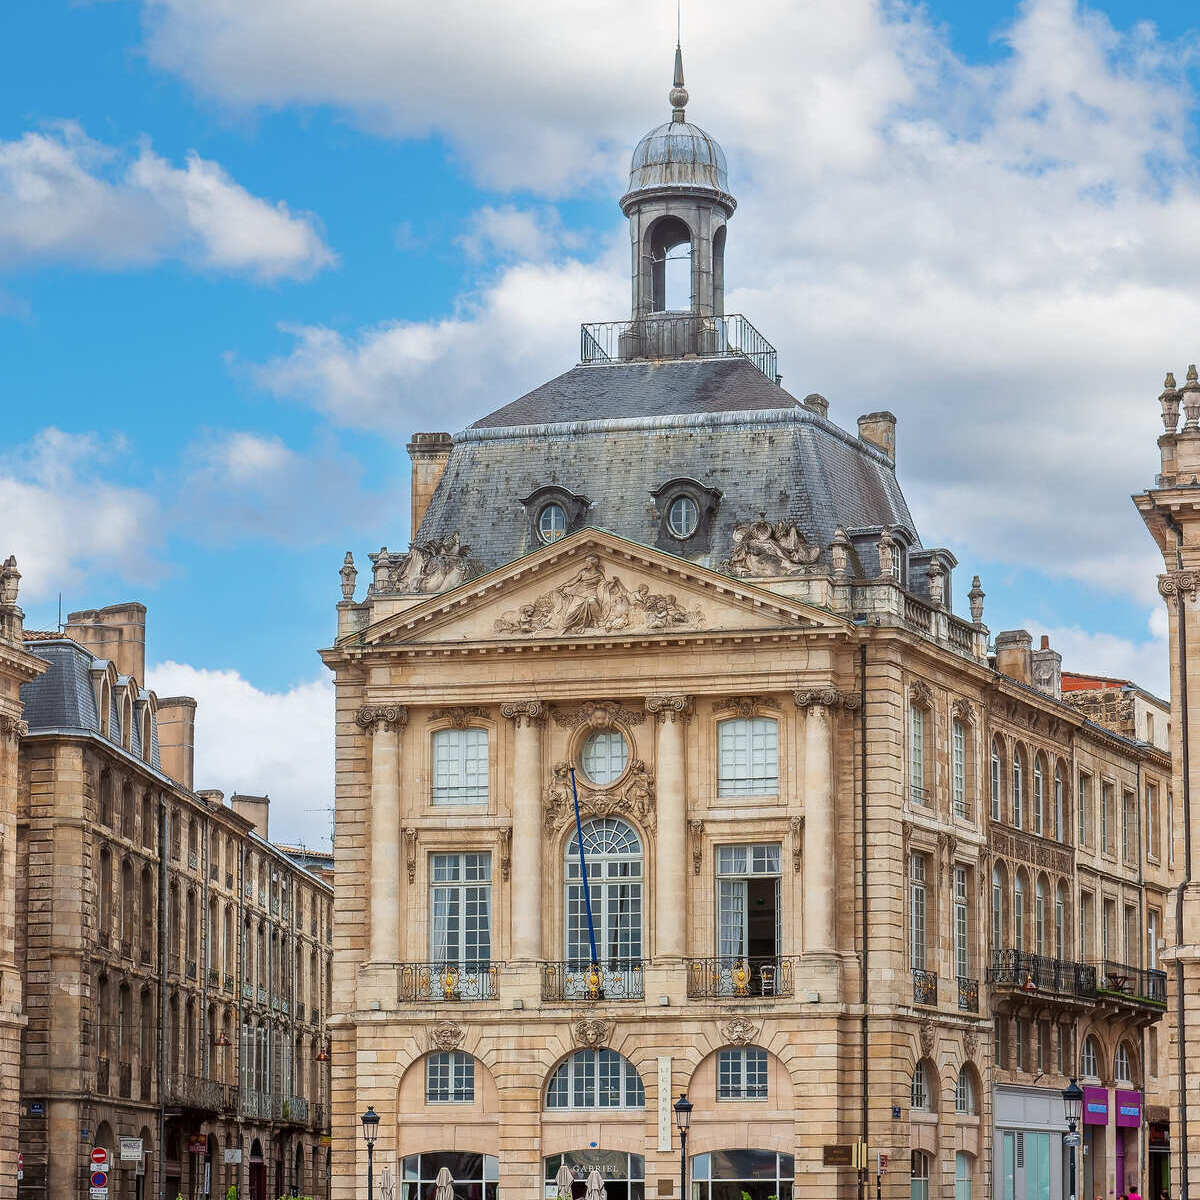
(131, 1149)
(233, 1155)
(1095, 1106)
(1129, 1110)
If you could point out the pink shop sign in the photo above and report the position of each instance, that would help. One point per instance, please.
(1129, 1109)
(1095, 1106)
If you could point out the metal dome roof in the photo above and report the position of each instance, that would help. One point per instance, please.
(678, 155)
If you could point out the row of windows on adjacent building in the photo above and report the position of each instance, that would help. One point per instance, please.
(1042, 1047)
(747, 760)
(1036, 799)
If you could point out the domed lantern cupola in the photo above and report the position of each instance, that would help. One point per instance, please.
(677, 203)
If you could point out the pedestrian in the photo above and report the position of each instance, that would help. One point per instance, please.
(1133, 1192)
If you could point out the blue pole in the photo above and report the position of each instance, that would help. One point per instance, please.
(587, 883)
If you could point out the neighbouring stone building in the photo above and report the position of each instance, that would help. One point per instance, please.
(174, 965)
(850, 873)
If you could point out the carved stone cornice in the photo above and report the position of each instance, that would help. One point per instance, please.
(745, 706)
(596, 714)
(797, 827)
(524, 712)
(696, 836)
(12, 728)
(826, 697)
(1175, 585)
(632, 796)
(381, 718)
(460, 715)
(670, 708)
(410, 851)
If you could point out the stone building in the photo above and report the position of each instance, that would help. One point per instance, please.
(1172, 515)
(174, 963)
(850, 876)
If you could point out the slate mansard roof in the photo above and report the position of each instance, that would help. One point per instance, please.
(617, 432)
(64, 698)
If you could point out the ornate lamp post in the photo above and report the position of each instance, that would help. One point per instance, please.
(370, 1124)
(1073, 1103)
(683, 1121)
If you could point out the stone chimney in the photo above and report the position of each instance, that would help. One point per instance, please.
(116, 633)
(177, 738)
(430, 452)
(1047, 669)
(1014, 655)
(255, 809)
(817, 403)
(879, 429)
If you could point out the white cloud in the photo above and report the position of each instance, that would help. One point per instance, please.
(506, 231)
(65, 197)
(263, 743)
(1001, 255)
(1144, 660)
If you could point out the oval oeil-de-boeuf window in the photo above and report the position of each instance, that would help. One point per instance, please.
(683, 516)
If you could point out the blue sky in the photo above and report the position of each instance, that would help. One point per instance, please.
(246, 250)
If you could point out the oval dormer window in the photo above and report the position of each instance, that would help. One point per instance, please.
(683, 516)
(552, 523)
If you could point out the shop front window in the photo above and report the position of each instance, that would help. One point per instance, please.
(623, 1175)
(742, 1175)
(475, 1176)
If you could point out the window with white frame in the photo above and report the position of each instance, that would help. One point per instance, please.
(1084, 800)
(1122, 1064)
(749, 909)
(1129, 828)
(1039, 918)
(1060, 922)
(997, 909)
(919, 1097)
(460, 766)
(449, 1078)
(613, 852)
(742, 1074)
(916, 911)
(460, 901)
(916, 752)
(1018, 919)
(1152, 832)
(964, 1092)
(918, 1175)
(1152, 940)
(1088, 1059)
(1018, 790)
(596, 1079)
(962, 1175)
(1060, 832)
(958, 768)
(1039, 795)
(748, 757)
(997, 783)
(962, 924)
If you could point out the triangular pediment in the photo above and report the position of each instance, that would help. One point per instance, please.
(595, 586)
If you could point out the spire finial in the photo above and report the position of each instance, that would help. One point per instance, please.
(678, 94)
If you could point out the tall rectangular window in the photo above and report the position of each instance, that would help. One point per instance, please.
(749, 916)
(460, 896)
(1129, 827)
(1106, 818)
(1039, 796)
(1170, 830)
(1085, 926)
(997, 778)
(1018, 791)
(460, 766)
(1133, 940)
(1108, 918)
(962, 924)
(916, 911)
(958, 768)
(748, 757)
(1152, 940)
(916, 752)
(1060, 833)
(1153, 850)
(1085, 801)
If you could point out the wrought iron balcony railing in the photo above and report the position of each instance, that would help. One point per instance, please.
(127, 948)
(214, 977)
(1017, 970)
(247, 991)
(968, 994)
(1131, 985)
(293, 1110)
(194, 1092)
(449, 981)
(228, 982)
(732, 978)
(616, 979)
(667, 335)
(924, 987)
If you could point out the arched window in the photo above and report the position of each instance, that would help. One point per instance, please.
(105, 885)
(997, 782)
(918, 1187)
(227, 940)
(1060, 805)
(149, 822)
(595, 1079)
(128, 812)
(147, 734)
(963, 1172)
(146, 1038)
(124, 1024)
(1018, 920)
(1018, 788)
(1089, 1059)
(1039, 794)
(921, 1092)
(671, 265)
(1123, 1064)
(748, 757)
(105, 709)
(742, 1073)
(106, 799)
(449, 1078)
(460, 766)
(998, 908)
(1061, 931)
(964, 1091)
(614, 862)
(1039, 917)
(128, 907)
(193, 844)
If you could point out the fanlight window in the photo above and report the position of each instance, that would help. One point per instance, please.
(596, 1079)
(614, 862)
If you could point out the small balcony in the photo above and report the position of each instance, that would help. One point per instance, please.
(228, 982)
(439, 982)
(127, 948)
(968, 994)
(247, 991)
(262, 995)
(1131, 986)
(669, 335)
(740, 978)
(293, 1110)
(195, 1093)
(214, 977)
(617, 979)
(924, 987)
(1015, 971)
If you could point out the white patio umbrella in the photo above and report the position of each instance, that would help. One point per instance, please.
(563, 1180)
(595, 1187)
(445, 1185)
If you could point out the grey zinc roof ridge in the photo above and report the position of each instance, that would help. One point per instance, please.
(708, 420)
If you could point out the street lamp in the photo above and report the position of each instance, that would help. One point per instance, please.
(370, 1124)
(683, 1121)
(1073, 1103)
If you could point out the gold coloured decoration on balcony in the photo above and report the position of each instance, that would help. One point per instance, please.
(741, 980)
(450, 981)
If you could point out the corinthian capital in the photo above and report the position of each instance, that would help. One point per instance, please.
(12, 728)
(524, 712)
(670, 708)
(382, 718)
(826, 697)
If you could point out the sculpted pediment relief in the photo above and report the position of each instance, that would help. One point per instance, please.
(591, 589)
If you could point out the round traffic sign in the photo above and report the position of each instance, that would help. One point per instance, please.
(99, 1156)
(99, 1179)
